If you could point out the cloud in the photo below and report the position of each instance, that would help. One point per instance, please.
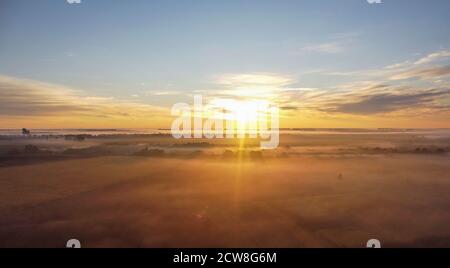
(397, 66)
(20, 97)
(429, 73)
(163, 93)
(251, 85)
(433, 57)
(389, 89)
(424, 68)
(382, 91)
(384, 103)
(367, 98)
(339, 42)
(70, 54)
(254, 80)
(289, 108)
(25, 97)
(360, 97)
(330, 48)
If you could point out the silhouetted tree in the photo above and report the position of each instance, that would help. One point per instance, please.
(26, 131)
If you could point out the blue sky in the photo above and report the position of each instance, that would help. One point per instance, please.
(128, 49)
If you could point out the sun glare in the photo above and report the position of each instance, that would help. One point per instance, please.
(247, 114)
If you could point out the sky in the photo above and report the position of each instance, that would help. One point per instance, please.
(326, 63)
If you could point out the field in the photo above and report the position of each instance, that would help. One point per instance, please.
(315, 191)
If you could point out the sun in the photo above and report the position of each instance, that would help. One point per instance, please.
(246, 114)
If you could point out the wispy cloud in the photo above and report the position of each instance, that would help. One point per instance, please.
(366, 97)
(21, 97)
(433, 57)
(331, 48)
(387, 90)
(428, 73)
(431, 66)
(265, 79)
(388, 102)
(164, 93)
(256, 85)
(338, 44)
